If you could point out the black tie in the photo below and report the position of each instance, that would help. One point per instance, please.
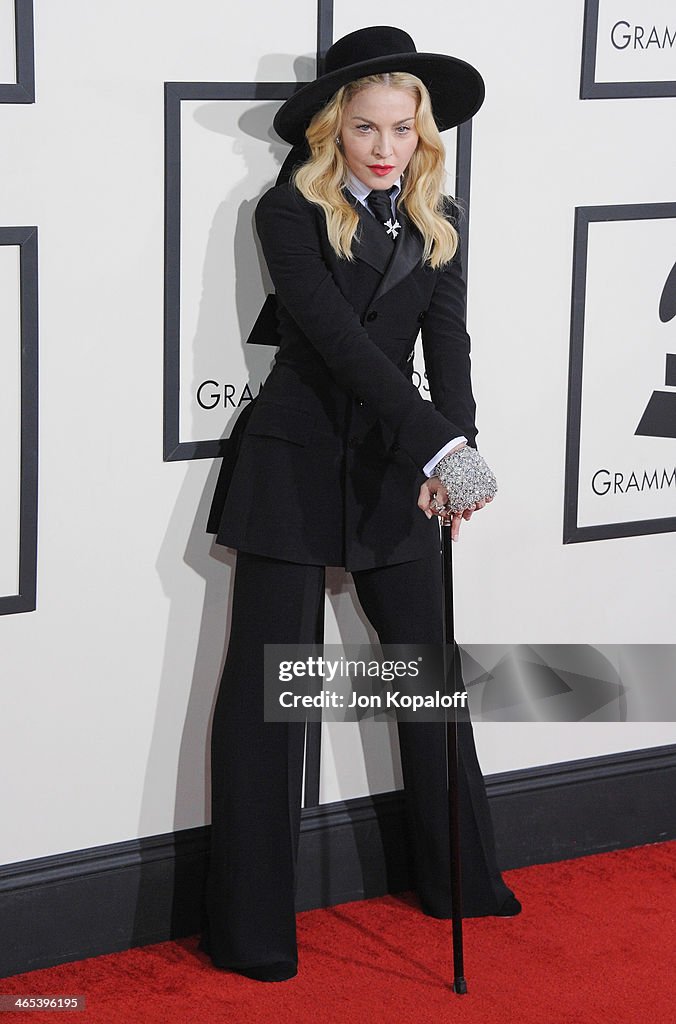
(379, 202)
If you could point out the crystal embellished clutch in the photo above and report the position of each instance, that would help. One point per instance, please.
(467, 477)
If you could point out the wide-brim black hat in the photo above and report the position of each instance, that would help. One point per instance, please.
(455, 87)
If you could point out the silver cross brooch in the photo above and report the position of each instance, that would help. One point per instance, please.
(393, 229)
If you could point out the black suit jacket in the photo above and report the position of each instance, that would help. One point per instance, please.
(326, 463)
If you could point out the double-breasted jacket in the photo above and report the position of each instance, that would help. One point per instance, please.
(326, 464)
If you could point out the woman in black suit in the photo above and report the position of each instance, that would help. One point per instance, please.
(340, 461)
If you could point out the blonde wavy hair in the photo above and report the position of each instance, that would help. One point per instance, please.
(322, 177)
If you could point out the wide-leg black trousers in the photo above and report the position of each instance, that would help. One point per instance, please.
(257, 766)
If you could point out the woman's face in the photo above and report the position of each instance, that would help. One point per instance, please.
(378, 135)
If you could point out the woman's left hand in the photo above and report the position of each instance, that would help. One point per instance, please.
(432, 500)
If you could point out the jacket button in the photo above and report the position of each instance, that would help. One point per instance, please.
(372, 315)
(360, 402)
(395, 447)
(421, 316)
(354, 441)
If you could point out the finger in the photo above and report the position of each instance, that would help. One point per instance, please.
(426, 502)
(455, 526)
(424, 499)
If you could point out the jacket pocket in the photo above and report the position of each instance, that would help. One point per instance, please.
(277, 419)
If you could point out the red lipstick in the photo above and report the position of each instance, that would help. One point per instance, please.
(381, 169)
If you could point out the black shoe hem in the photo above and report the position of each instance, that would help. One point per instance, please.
(281, 971)
(509, 907)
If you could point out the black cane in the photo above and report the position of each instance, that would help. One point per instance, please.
(459, 982)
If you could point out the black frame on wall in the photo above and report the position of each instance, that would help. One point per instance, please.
(27, 240)
(590, 89)
(174, 93)
(23, 90)
(572, 533)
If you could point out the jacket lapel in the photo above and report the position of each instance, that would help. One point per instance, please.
(407, 254)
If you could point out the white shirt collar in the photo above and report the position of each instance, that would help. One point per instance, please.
(360, 191)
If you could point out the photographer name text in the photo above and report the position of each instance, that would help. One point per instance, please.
(393, 699)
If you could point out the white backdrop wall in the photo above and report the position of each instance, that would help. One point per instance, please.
(108, 686)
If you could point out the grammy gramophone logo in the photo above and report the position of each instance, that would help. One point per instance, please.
(659, 417)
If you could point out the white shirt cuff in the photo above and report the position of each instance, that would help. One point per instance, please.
(429, 466)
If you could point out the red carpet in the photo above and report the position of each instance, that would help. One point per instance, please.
(594, 945)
